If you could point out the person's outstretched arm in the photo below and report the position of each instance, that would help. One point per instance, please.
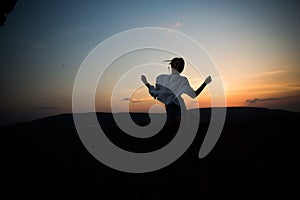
(144, 80)
(152, 90)
(206, 82)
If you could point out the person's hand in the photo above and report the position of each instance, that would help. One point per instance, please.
(208, 80)
(144, 79)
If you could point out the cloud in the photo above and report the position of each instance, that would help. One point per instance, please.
(172, 26)
(38, 46)
(268, 73)
(134, 100)
(252, 101)
(177, 25)
(131, 100)
(255, 100)
(45, 108)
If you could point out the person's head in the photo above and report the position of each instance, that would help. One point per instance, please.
(177, 64)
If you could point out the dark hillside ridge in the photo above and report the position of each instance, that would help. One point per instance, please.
(257, 154)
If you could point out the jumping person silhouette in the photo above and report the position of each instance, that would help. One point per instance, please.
(169, 88)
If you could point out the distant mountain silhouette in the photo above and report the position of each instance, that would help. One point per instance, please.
(257, 154)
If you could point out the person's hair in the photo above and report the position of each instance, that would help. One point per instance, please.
(177, 59)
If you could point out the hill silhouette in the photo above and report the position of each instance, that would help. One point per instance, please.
(257, 154)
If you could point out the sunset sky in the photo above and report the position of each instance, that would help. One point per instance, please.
(254, 44)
